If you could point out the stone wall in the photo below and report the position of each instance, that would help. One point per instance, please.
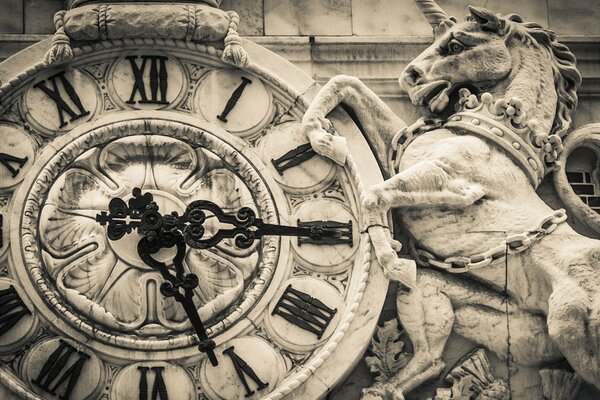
(338, 17)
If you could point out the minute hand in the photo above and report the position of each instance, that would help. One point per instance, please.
(247, 228)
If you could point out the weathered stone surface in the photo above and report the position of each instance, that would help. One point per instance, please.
(39, 15)
(430, 156)
(311, 17)
(390, 17)
(251, 15)
(563, 13)
(11, 22)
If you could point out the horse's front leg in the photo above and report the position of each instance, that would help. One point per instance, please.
(377, 120)
(429, 182)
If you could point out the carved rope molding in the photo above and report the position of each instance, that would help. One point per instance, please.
(198, 23)
(10, 90)
(350, 312)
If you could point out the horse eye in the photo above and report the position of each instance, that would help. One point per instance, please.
(454, 46)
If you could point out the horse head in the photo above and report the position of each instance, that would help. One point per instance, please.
(505, 56)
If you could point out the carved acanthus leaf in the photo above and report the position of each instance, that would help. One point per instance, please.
(387, 348)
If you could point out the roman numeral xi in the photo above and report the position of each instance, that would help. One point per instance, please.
(61, 105)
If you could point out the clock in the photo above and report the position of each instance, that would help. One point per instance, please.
(163, 125)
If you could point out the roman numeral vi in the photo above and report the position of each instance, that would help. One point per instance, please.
(159, 389)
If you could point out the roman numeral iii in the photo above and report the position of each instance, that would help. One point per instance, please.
(304, 311)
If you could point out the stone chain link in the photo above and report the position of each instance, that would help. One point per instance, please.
(406, 135)
(513, 244)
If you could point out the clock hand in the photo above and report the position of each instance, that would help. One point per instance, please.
(246, 228)
(173, 283)
(159, 232)
(169, 230)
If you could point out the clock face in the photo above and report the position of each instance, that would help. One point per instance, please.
(84, 317)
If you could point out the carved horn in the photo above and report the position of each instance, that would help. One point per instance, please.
(432, 12)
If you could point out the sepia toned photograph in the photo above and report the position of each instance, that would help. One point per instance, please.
(299, 200)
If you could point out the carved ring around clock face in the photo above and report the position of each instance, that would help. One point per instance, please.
(105, 283)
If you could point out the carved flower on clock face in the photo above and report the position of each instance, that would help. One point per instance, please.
(106, 280)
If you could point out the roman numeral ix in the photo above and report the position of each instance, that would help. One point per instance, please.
(159, 389)
(12, 308)
(241, 368)
(158, 80)
(7, 159)
(61, 105)
(55, 372)
(304, 311)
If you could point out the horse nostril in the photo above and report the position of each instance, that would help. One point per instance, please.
(413, 74)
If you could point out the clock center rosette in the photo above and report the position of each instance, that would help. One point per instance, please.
(102, 286)
(126, 247)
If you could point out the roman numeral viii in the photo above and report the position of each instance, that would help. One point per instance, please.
(12, 308)
(304, 311)
(158, 80)
(159, 389)
(60, 369)
(61, 105)
(242, 369)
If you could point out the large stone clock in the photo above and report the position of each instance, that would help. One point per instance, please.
(82, 316)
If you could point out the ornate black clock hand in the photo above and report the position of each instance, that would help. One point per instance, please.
(169, 230)
(247, 228)
(173, 283)
(159, 232)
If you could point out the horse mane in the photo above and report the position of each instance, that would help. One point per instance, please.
(567, 78)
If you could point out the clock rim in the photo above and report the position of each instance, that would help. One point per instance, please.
(295, 82)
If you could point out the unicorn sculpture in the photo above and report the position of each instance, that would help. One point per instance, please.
(501, 93)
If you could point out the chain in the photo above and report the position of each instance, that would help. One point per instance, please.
(513, 244)
(406, 135)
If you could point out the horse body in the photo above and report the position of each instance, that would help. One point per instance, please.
(461, 194)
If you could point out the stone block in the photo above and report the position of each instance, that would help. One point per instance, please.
(251, 15)
(39, 15)
(393, 17)
(575, 17)
(11, 17)
(308, 17)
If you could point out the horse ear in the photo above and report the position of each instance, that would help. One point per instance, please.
(486, 19)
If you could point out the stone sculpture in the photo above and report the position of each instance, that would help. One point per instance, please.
(501, 92)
